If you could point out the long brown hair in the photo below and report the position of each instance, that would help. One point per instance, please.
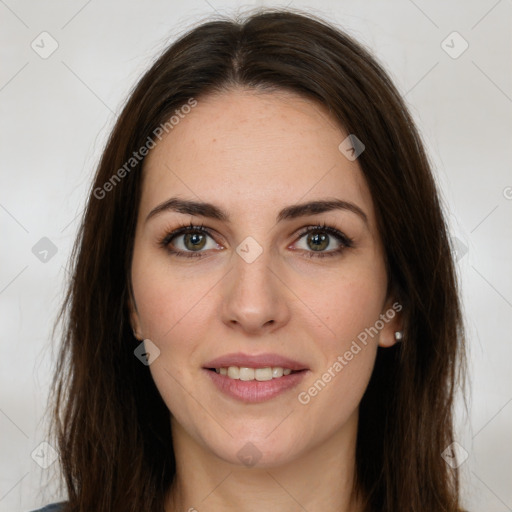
(109, 422)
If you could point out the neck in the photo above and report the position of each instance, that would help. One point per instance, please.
(320, 479)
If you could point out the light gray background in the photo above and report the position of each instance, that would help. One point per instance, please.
(55, 116)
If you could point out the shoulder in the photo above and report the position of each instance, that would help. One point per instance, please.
(53, 507)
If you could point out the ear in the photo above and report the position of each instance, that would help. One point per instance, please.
(134, 317)
(392, 317)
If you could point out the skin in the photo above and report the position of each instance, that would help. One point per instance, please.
(253, 154)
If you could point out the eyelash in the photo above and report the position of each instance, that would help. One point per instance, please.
(184, 229)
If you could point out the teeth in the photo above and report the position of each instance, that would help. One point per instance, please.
(260, 374)
(277, 372)
(247, 373)
(234, 372)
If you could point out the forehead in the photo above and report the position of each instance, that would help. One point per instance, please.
(253, 151)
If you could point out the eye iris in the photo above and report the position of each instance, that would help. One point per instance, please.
(320, 241)
(198, 241)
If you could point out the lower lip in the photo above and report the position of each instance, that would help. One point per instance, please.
(254, 391)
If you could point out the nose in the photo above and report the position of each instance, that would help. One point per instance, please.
(255, 297)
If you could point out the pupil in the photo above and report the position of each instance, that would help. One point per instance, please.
(195, 239)
(319, 241)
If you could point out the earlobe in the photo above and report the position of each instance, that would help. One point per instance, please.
(387, 340)
(392, 332)
(134, 319)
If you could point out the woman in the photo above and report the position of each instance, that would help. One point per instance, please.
(264, 312)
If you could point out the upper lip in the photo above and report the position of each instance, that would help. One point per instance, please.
(255, 361)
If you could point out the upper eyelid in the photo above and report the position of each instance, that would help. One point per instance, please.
(331, 230)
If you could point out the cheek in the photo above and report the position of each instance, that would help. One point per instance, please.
(347, 303)
(333, 393)
(332, 396)
(168, 300)
(349, 306)
(172, 314)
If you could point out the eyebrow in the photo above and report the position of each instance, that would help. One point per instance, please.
(211, 211)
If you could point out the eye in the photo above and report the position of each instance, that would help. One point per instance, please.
(318, 238)
(188, 241)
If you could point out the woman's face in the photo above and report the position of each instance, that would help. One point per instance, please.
(254, 290)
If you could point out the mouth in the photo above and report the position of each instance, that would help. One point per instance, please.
(245, 373)
(254, 378)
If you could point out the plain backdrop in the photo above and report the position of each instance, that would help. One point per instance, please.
(57, 109)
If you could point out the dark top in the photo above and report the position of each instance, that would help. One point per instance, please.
(54, 507)
(57, 507)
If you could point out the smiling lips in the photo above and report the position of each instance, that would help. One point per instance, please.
(259, 374)
(254, 378)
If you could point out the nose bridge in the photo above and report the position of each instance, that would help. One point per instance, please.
(253, 296)
(252, 264)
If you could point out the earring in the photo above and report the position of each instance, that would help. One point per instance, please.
(398, 336)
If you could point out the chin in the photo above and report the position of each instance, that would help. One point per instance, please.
(258, 451)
